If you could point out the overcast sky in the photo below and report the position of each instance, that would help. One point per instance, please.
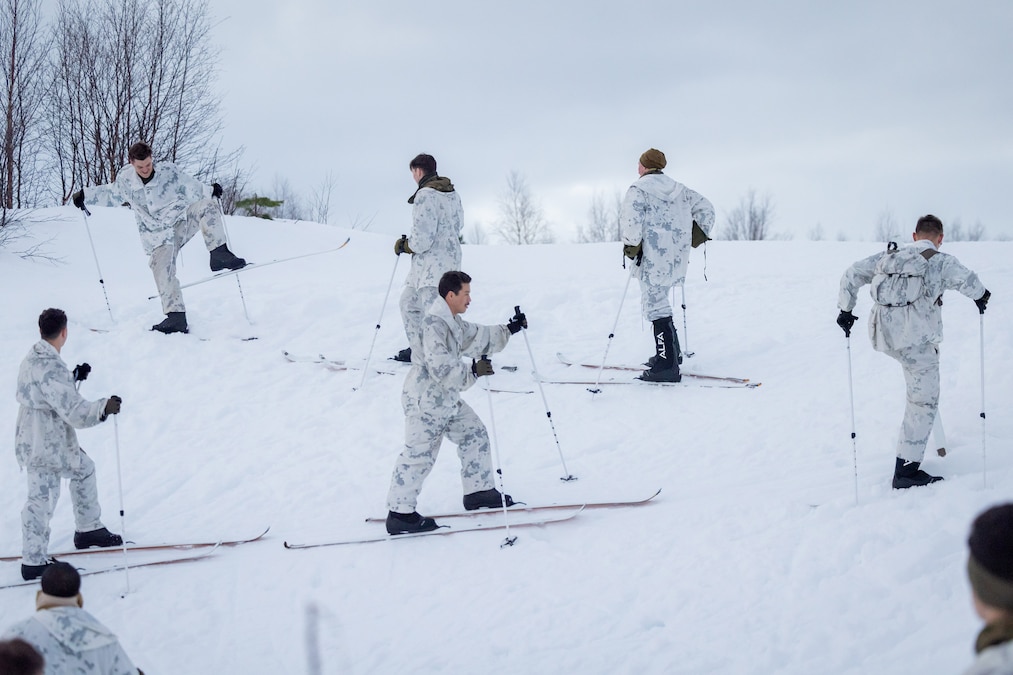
(839, 111)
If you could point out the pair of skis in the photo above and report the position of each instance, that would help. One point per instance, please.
(252, 265)
(692, 379)
(340, 365)
(484, 519)
(177, 553)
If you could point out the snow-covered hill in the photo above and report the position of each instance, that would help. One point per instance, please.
(755, 558)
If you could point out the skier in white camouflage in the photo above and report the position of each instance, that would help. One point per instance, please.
(434, 245)
(905, 323)
(433, 407)
(46, 446)
(657, 222)
(169, 206)
(67, 636)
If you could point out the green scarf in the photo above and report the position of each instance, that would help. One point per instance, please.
(994, 634)
(438, 183)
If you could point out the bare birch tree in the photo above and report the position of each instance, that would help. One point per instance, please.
(886, 227)
(751, 219)
(603, 219)
(127, 71)
(24, 45)
(521, 219)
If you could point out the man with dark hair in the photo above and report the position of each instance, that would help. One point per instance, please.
(990, 570)
(17, 657)
(70, 639)
(169, 206)
(434, 245)
(433, 408)
(905, 323)
(657, 222)
(46, 446)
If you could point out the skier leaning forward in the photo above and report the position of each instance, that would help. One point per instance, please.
(656, 222)
(433, 407)
(911, 334)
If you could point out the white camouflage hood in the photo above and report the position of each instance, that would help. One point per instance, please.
(75, 629)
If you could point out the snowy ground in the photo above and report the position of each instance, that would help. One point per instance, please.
(755, 558)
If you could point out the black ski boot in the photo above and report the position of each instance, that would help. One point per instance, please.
(486, 499)
(404, 356)
(174, 322)
(224, 259)
(409, 523)
(666, 366)
(675, 343)
(29, 572)
(910, 474)
(101, 538)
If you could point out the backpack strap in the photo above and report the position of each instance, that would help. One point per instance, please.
(927, 254)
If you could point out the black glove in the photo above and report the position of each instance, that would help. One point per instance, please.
(401, 246)
(846, 320)
(517, 322)
(982, 301)
(78, 199)
(634, 252)
(113, 405)
(216, 190)
(81, 372)
(481, 367)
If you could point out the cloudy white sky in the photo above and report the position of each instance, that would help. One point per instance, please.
(839, 111)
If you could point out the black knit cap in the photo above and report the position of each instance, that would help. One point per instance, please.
(991, 540)
(61, 580)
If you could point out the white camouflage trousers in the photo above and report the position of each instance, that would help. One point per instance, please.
(424, 434)
(921, 375)
(654, 301)
(43, 493)
(202, 215)
(415, 302)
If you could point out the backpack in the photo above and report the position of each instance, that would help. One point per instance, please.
(899, 279)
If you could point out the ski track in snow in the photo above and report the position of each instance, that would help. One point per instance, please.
(730, 570)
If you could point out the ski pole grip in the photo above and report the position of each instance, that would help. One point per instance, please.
(517, 309)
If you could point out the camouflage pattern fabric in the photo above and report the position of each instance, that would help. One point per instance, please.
(437, 221)
(659, 213)
(45, 443)
(911, 335)
(73, 642)
(896, 328)
(202, 215)
(415, 302)
(157, 206)
(433, 407)
(921, 377)
(43, 493)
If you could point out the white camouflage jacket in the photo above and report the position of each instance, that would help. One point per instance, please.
(434, 386)
(72, 641)
(51, 408)
(437, 221)
(659, 212)
(157, 206)
(895, 328)
(995, 660)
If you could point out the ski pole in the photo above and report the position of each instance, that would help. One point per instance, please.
(567, 476)
(365, 368)
(851, 396)
(685, 331)
(225, 229)
(85, 215)
(494, 445)
(597, 381)
(984, 458)
(123, 520)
